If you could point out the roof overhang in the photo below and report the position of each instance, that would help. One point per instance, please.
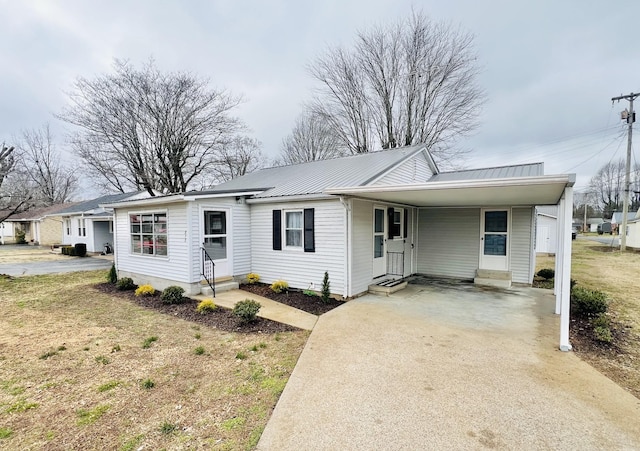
(539, 190)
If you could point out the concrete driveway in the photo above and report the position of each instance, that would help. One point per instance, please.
(32, 260)
(447, 367)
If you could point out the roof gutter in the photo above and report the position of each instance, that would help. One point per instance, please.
(301, 197)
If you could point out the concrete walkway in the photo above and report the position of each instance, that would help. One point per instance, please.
(269, 309)
(447, 368)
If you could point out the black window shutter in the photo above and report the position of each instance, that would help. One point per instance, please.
(390, 225)
(406, 223)
(277, 230)
(309, 239)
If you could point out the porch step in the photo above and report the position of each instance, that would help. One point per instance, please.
(387, 287)
(493, 278)
(220, 287)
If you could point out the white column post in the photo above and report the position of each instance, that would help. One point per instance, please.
(566, 270)
(557, 285)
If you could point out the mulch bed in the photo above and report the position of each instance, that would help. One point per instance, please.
(221, 318)
(293, 298)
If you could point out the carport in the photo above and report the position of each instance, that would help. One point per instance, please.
(511, 192)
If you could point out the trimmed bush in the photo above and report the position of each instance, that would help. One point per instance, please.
(253, 278)
(125, 284)
(145, 290)
(20, 235)
(326, 291)
(247, 310)
(279, 286)
(546, 273)
(588, 302)
(206, 306)
(112, 277)
(173, 295)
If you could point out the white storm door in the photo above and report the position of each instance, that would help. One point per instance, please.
(379, 242)
(494, 240)
(215, 240)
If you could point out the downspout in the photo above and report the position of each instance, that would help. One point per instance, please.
(347, 242)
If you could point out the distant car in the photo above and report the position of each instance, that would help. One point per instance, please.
(605, 227)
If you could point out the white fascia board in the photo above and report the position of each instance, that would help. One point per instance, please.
(145, 202)
(568, 179)
(297, 198)
(219, 195)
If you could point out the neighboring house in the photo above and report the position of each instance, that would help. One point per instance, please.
(89, 223)
(633, 233)
(42, 226)
(6, 233)
(616, 219)
(592, 224)
(362, 218)
(546, 229)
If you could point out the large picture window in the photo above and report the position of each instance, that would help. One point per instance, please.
(293, 228)
(148, 233)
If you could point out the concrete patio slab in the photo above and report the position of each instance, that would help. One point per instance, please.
(446, 367)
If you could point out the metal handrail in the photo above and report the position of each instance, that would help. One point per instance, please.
(208, 270)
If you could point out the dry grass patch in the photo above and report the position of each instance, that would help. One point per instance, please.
(99, 385)
(26, 253)
(599, 267)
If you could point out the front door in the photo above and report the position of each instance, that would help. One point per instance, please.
(494, 240)
(379, 238)
(215, 226)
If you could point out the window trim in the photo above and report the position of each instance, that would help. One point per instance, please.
(67, 226)
(285, 229)
(82, 227)
(400, 225)
(153, 233)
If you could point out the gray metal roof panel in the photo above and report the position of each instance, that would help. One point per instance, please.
(519, 170)
(94, 204)
(314, 177)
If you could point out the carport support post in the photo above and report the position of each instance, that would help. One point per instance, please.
(565, 257)
(557, 285)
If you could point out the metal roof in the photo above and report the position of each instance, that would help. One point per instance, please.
(518, 170)
(94, 204)
(314, 177)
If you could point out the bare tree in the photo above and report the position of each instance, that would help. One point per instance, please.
(145, 129)
(238, 157)
(311, 139)
(53, 181)
(412, 82)
(14, 197)
(607, 187)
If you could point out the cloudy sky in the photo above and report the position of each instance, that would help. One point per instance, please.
(549, 67)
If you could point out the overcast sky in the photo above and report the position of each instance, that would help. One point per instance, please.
(549, 67)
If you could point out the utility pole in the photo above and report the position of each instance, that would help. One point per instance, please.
(630, 117)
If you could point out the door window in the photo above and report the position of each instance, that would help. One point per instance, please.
(495, 233)
(215, 234)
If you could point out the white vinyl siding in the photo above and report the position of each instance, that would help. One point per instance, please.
(521, 231)
(175, 266)
(298, 268)
(448, 242)
(362, 246)
(414, 170)
(547, 231)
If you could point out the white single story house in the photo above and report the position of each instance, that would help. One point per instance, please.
(361, 218)
(41, 226)
(592, 224)
(546, 229)
(89, 223)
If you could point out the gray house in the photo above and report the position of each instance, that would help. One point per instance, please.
(363, 219)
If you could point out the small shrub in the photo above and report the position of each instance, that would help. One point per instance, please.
(206, 306)
(588, 302)
(603, 334)
(147, 384)
(145, 290)
(546, 273)
(112, 277)
(253, 278)
(326, 288)
(173, 295)
(309, 293)
(246, 310)
(20, 236)
(279, 286)
(199, 350)
(125, 284)
(146, 344)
